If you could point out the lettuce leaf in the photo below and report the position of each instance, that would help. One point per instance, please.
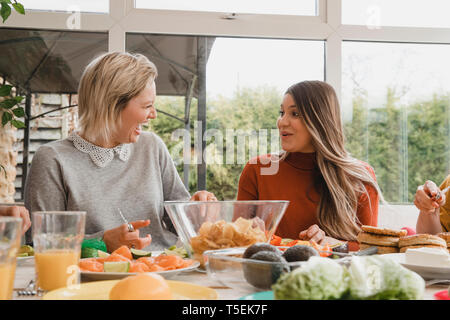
(381, 278)
(317, 279)
(372, 277)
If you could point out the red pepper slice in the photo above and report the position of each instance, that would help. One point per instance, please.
(292, 243)
(276, 240)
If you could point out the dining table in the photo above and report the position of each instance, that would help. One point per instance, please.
(25, 272)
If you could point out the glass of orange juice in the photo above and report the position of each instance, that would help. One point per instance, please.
(57, 238)
(10, 231)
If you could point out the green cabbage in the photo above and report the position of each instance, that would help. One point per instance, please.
(318, 279)
(373, 277)
(379, 277)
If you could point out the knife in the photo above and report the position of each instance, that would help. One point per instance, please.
(129, 225)
(440, 193)
(366, 252)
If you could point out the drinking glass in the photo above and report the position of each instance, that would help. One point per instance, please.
(10, 231)
(57, 238)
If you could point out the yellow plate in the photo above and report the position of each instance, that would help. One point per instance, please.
(99, 290)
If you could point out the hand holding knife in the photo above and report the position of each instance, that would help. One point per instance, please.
(440, 193)
(129, 225)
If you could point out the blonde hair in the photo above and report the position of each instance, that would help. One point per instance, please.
(342, 179)
(108, 83)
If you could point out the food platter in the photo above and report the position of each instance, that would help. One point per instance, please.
(427, 272)
(99, 290)
(167, 274)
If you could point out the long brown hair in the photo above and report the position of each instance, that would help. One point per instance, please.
(342, 179)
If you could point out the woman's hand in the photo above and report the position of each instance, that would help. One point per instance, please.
(425, 198)
(114, 238)
(19, 212)
(313, 233)
(206, 211)
(203, 195)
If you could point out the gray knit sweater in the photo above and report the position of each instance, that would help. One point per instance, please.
(137, 181)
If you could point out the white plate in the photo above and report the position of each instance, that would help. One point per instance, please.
(168, 274)
(426, 272)
(22, 260)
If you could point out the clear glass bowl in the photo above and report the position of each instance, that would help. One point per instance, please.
(227, 267)
(213, 225)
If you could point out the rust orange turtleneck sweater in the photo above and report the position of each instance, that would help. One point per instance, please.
(293, 182)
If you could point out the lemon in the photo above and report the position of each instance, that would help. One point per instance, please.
(102, 254)
(116, 266)
(139, 253)
(174, 250)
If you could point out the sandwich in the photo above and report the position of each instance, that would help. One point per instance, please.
(386, 240)
(420, 241)
(446, 237)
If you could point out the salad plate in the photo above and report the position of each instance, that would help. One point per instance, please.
(23, 260)
(167, 274)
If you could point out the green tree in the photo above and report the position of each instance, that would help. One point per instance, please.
(428, 142)
(376, 135)
(248, 109)
(379, 136)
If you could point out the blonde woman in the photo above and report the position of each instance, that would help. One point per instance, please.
(331, 194)
(110, 164)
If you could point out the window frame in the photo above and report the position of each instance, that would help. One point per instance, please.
(124, 18)
(327, 26)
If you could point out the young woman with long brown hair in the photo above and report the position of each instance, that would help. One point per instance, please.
(331, 194)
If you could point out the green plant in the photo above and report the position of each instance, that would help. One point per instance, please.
(9, 106)
(6, 9)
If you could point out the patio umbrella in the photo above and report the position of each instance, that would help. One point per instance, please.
(52, 61)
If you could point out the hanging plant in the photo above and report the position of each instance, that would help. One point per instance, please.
(9, 106)
(5, 10)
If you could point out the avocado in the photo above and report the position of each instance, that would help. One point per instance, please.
(263, 275)
(299, 253)
(257, 247)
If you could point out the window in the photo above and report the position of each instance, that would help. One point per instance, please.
(285, 7)
(237, 63)
(245, 82)
(392, 82)
(403, 13)
(396, 110)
